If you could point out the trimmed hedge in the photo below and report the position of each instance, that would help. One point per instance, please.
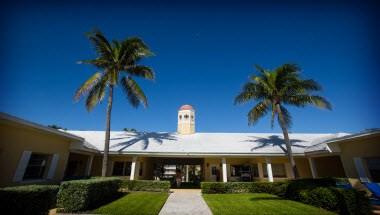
(82, 195)
(342, 201)
(29, 199)
(277, 188)
(146, 185)
(317, 192)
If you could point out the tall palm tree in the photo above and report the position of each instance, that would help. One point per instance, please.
(273, 90)
(117, 63)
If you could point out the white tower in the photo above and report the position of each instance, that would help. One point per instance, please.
(186, 120)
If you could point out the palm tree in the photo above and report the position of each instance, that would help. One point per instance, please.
(272, 90)
(117, 63)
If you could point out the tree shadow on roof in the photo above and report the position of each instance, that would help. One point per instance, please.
(144, 137)
(274, 140)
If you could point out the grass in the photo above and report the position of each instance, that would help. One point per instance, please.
(135, 203)
(258, 204)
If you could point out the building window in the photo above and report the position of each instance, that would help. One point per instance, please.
(36, 167)
(373, 165)
(278, 170)
(180, 116)
(186, 116)
(121, 168)
(214, 171)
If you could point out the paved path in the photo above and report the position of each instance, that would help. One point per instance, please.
(185, 201)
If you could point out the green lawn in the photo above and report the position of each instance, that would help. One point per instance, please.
(135, 203)
(258, 204)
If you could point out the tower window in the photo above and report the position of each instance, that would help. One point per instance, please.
(186, 116)
(180, 116)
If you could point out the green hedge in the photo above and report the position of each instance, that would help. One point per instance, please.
(30, 199)
(277, 188)
(347, 202)
(146, 185)
(296, 186)
(82, 195)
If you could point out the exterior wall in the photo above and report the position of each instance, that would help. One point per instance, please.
(330, 166)
(82, 162)
(16, 138)
(142, 162)
(368, 147)
(301, 163)
(303, 167)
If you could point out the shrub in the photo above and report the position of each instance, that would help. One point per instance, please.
(82, 195)
(30, 199)
(146, 185)
(323, 197)
(277, 188)
(342, 201)
(295, 187)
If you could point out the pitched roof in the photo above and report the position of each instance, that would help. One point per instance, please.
(10, 118)
(164, 143)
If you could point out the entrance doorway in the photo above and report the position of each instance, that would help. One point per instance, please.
(181, 172)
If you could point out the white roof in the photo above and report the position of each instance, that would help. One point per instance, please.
(164, 143)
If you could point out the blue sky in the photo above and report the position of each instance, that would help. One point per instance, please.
(204, 54)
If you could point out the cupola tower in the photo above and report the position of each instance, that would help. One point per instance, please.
(186, 120)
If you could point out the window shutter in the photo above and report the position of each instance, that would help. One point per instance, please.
(22, 164)
(53, 166)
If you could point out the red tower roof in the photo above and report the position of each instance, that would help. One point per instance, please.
(186, 107)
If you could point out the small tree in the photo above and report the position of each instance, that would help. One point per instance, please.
(118, 64)
(272, 90)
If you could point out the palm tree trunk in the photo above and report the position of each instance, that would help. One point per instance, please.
(287, 141)
(108, 131)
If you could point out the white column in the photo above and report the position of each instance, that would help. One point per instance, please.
(358, 161)
(269, 169)
(224, 168)
(187, 173)
(53, 166)
(89, 165)
(22, 164)
(133, 168)
(260, 169)
(313, 167)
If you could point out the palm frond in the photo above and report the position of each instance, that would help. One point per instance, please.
(273, 116)
(250, 91)
(101, 44)
(258, 111)
(133, 91)
(96, 94)
(87, 85)
(141, 71)
(305, 99)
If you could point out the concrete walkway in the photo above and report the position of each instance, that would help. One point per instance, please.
(185, 201)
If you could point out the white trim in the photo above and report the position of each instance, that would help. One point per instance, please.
(89, 165)
(200, 154)
(313, 168)
(224, 169)
(22, 165)
(358, 161)
(53, 166)
(187, 173)
(133, 168)
(269, 169)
